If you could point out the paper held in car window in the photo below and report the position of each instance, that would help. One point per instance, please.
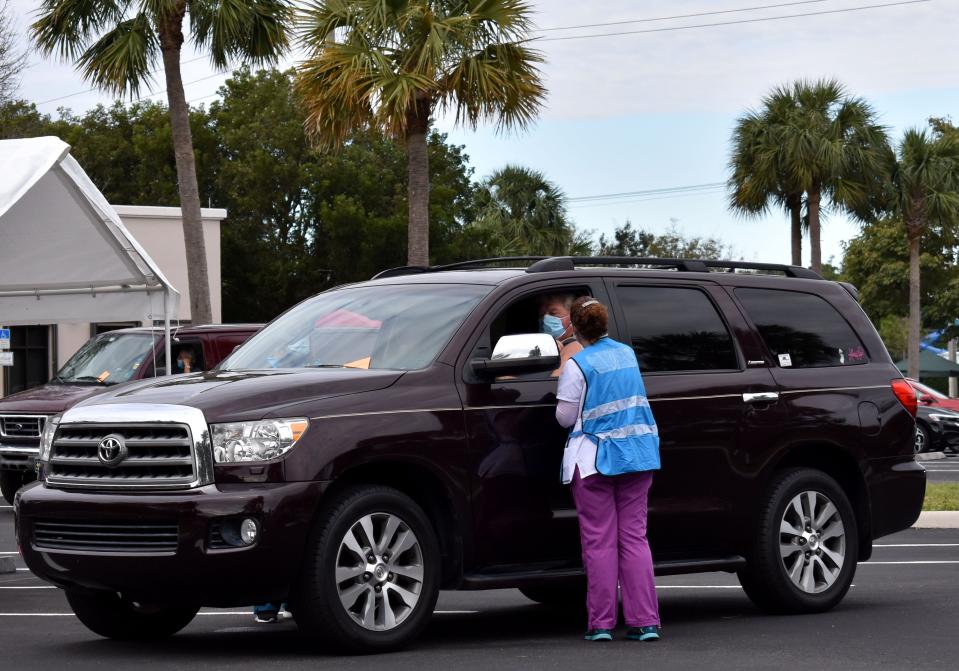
(785, 360)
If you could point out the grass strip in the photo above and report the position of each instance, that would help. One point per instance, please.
(941, 496)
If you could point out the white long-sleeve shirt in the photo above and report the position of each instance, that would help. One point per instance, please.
(580, 451)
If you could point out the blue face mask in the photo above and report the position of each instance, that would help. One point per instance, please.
(179, 364)
(552, 325)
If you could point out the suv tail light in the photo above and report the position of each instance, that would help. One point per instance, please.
(906, 395)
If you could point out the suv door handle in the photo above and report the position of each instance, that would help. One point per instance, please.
(761, 397)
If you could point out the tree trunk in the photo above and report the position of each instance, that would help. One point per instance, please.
(815, 249)
(915, 321)
(171, 41)
(794, 202)
(418, 173)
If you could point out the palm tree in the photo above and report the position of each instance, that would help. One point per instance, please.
(520, 212)
(923, 193)
(116, 45)
(391, 65)
(758, 177)
(813, 139)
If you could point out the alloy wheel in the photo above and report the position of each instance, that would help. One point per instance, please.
(920, 440)
(812, 542)
(379, 571)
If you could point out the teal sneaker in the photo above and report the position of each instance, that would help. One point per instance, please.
(650, 633)
(599, 635)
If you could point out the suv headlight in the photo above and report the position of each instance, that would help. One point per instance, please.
(942, 417)
(255, 441)
(46, 438)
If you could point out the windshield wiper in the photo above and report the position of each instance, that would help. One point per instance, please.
(91, 378)
(325, 365)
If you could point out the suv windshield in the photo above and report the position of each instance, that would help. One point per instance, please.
(399, 327)
(111, 358)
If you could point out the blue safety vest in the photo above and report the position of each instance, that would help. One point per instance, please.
(616, 414)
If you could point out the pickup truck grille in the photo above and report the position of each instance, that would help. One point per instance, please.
(151, 456)
(21, 426)
(97, 536)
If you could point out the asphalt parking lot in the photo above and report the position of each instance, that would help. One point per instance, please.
(943, 470)
(901, 613)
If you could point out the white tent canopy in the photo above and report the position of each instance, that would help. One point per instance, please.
(64, 253)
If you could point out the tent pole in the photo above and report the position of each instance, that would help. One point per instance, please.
(167, 345)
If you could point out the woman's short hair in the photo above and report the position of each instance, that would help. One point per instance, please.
(590, 317)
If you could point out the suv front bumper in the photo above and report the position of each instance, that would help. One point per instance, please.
(18, 458)
(193, 573)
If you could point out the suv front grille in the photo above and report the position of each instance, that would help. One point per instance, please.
(157, 456)
(21, 426)
(98, 536)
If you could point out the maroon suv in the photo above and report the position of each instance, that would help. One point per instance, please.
(105, 360)
(387, 439)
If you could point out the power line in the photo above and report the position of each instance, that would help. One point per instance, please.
(678, 190)
(686, 194)
(728, 23)
(681, 16)
(93, 88)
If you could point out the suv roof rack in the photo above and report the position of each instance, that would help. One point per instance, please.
(543, 264)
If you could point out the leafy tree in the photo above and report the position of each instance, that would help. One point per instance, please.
(629, 241)
(12, 58)
(518, 212)
(813, 138)
(389, 66)
(116, 44)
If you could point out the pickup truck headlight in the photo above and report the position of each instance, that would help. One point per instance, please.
(46, 438)
(255, 441)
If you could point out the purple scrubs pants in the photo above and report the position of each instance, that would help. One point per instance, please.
(612, 528)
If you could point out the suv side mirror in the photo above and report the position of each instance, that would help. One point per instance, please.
(520, 353)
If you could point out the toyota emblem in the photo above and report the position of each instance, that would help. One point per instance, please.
(112, 450)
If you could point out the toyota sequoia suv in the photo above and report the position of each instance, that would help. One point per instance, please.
(106, 360)
(387, 439)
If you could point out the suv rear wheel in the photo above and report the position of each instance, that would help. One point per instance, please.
(107, 614)
(805, 553)
(372, 572)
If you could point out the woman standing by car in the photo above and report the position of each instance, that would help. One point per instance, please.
(612, 450)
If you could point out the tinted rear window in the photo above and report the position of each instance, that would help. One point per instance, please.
(802, 330)
(676, 329)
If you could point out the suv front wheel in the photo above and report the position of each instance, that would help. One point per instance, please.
(805, 553)
(372, 572)
(107, 614)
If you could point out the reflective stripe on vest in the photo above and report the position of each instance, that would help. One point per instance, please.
(616, 413)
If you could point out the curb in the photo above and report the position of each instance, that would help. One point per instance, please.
(7, 565)
(937, 519)
(930, 456)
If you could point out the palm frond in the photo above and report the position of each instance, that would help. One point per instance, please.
(120, 60)
(65, 27)
(252, 31)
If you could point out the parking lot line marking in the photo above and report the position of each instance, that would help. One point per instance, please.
(32, 587)
(245, 612)
(921, 561)
(9, 553)
(698, 587)
(918, 545)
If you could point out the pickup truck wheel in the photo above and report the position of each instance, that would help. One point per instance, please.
(560, 595)
(10, 482)
(372, 572)
(805, 552)
(108, 615)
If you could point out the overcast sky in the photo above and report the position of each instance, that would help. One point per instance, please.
(654, 110)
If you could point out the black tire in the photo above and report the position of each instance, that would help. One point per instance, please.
(765, 578)
(108, 615)
(922, 439)
(319, 613)
(10, 482)
(570, 595)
